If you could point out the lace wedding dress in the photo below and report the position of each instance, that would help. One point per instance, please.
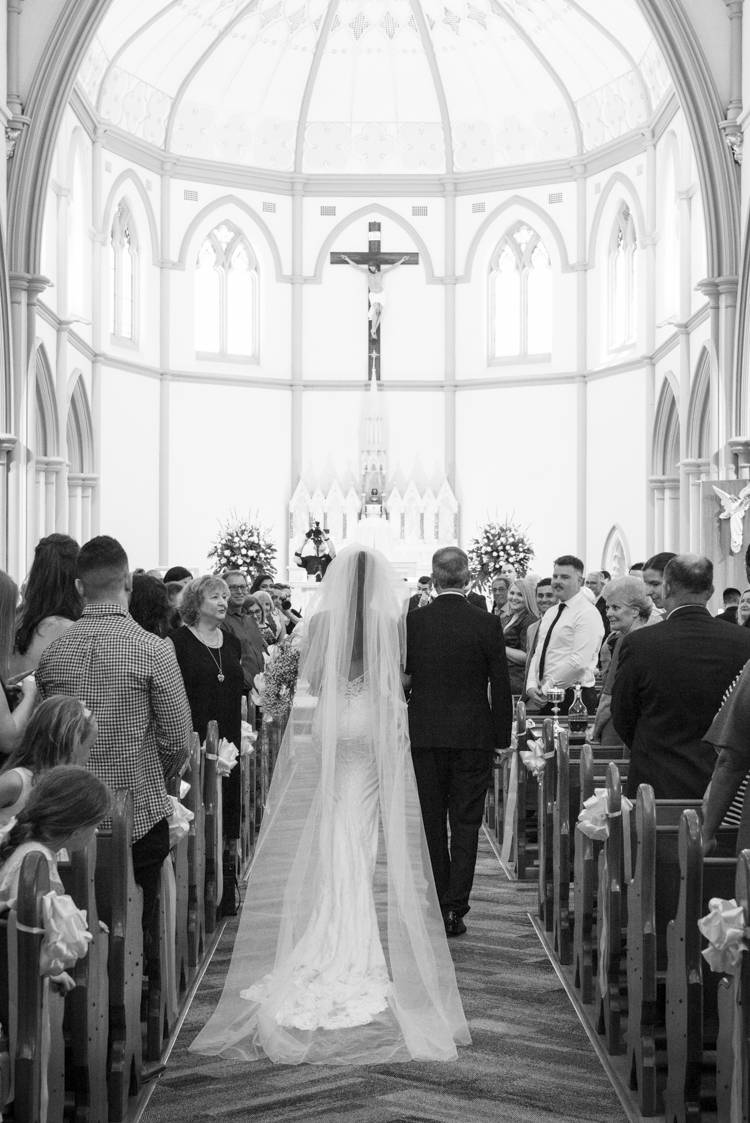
(341, 955)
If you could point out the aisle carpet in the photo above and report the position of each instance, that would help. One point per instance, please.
(530, 1059)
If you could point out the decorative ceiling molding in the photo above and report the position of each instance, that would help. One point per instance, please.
(127, 43)
(312, 74)
(607, 34)
(429, 51)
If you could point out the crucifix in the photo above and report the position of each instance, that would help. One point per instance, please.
(374, 264)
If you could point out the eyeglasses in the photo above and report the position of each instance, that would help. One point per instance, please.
(233, 587)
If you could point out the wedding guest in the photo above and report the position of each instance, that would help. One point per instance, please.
(149, 604)
(653, 573)
(51, 602)
(500, 586)
(60, 731)
(544, 595)
(293, 617)
(509, 571)
(636, 570)
(568, 641)
(628, 608)
(729, 736)
(174, 596)
(731, 600)
(595, 581)
(62, 813)
(743, 609)
(670, 683)
(477, 599)
(16, 701)
(130, 681)
(244, 627)
(261, 581)
(179, 575)
(522, 613)
(423, 595)
(209, 658)
(270, 628)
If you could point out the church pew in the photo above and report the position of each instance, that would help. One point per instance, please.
(733, 1041)
(247, 789)
(501, 776)
(120, 905)
(161, 1006)
(86, 1007)
(214, 842)
(649, 912)
(610, 919)
(592, 773)
(561, 864)
(179, 856)
(545, 823)
(525, 847)
(691, 992)
(36, 1005)
(196, 857)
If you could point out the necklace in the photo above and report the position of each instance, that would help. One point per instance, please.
(210, 650)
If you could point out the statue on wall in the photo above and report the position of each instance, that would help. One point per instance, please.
(734, 508)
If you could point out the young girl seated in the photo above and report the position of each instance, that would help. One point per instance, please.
(63, 810)
(61, 731)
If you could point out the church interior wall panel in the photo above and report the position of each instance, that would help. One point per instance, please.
(228, 453)
(129, 469)
(249, 214)
(516, 455)
(561, 214)
(617, 460)
(331, 424)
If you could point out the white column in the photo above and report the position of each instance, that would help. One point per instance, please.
(165, 283)
(694, 472)
(581, 267)
(13, 57)
(656, 484)
(7, 443)
(449, 295)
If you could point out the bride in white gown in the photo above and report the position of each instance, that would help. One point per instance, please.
(341, 955)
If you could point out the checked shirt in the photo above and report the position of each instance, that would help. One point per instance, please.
(130, 681)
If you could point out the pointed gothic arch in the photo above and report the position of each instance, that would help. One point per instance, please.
(699, 410)
(79, 429)
(376, 210)
(629, 195)
(46, 433)
(128, 184)
(665, 446)
(616, 552)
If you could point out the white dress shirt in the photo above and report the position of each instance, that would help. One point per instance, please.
(573, 647)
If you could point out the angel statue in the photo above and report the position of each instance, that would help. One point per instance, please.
(734, 508)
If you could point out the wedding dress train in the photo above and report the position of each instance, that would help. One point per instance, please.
(341, 955)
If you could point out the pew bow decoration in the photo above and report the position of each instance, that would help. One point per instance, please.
(534, 756)
(593, 819)
(724, 928)
(66, 934)
(248, 739)
(226, 757)
(179, 821)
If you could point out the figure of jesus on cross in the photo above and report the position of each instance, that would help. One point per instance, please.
(374, 264)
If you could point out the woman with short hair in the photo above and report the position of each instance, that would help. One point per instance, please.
(209, 659)
(628, 608)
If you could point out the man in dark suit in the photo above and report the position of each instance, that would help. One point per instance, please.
(423, 595)
(731, 598)
(670, 682)
(454, 651)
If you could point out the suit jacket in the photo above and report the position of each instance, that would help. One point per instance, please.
(478, 600)
(669, 684)
(453, 652)
(414, 600)
(601, 607)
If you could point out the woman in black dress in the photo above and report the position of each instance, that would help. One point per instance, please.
(209, 659)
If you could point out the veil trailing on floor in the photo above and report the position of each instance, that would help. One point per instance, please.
(320, 870)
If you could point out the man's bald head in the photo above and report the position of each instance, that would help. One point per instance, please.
(688, 579)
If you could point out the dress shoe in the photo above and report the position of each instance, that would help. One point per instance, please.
(454, 925)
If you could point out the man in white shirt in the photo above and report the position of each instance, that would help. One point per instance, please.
(568, 641)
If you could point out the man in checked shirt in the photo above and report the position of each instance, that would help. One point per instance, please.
(130, 680)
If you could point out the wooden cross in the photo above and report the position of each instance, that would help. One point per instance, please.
(374, 264)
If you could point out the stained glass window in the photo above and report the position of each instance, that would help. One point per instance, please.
(226, 294)
(521, 296)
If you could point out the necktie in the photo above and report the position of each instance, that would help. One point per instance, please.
(545, 645)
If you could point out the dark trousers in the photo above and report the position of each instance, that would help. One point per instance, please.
(149, 853)
(452, 785)
(589, 698)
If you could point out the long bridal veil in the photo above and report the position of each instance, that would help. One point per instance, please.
(349, 707)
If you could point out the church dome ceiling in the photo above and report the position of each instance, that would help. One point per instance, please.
(339, 87)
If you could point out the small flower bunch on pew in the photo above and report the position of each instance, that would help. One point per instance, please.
(274, 687)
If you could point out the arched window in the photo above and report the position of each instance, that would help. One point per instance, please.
(520, 293)
(622, 280)
(226, 294)
(124, 273)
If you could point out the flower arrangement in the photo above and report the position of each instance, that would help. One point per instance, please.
(273, 688)
(242, 544)
(499, 544)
